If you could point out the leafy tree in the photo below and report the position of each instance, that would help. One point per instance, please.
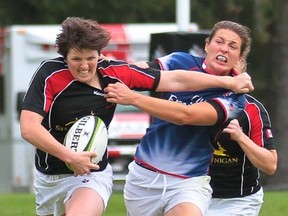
(108, 11)
(278, 88)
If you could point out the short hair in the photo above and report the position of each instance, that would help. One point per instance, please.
(79, 33)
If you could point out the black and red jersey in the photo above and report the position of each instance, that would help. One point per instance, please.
(232, 174)
(56, 95)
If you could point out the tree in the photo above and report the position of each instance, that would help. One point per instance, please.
(278, 89)
(108, 11)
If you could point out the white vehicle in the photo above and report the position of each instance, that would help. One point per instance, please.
(22, 48)
(125, 131)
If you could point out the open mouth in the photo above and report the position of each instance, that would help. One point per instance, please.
(84, 72)
(222, 58)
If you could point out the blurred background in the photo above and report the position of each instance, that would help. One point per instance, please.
(141, 30)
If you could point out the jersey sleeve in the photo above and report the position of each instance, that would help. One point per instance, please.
(154, 64)
(180, 60)
(261, 129)
(34, 98)
(49, 79)
(134, 77)
(228, 106)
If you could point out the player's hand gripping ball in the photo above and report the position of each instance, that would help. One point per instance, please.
(88, 134)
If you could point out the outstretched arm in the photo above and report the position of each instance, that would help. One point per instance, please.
(182, 80)
(197, 114)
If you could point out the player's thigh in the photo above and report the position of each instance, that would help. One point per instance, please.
(90, 191)
(84, 201)
(184, 209)
(193, 194)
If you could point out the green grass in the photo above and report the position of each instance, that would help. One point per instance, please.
(115, 206)
(17, 204)
(23, 205)
(275, 204)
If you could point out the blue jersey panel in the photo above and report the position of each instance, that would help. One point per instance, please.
(185, 150)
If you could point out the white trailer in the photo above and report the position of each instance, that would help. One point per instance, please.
(22, 48)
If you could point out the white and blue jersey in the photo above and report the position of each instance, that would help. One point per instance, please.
(185, 150)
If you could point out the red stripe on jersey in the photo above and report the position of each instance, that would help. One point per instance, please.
(256, 123)
(54, 84)
(129, 75)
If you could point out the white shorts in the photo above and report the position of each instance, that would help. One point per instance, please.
(52, 191)
(241, 206)
(148, 193)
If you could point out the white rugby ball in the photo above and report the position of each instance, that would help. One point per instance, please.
(89, 133)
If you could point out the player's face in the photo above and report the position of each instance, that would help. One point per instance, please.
(223, 51)
(83, 64)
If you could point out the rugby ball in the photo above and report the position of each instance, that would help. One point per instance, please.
(89, 133)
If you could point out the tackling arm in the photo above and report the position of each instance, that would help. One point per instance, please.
(197, 114)
(181, 80)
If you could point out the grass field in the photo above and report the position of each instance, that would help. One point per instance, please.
(275, 204)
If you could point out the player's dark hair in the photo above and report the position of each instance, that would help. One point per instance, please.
(241, 30)
(78, 33)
